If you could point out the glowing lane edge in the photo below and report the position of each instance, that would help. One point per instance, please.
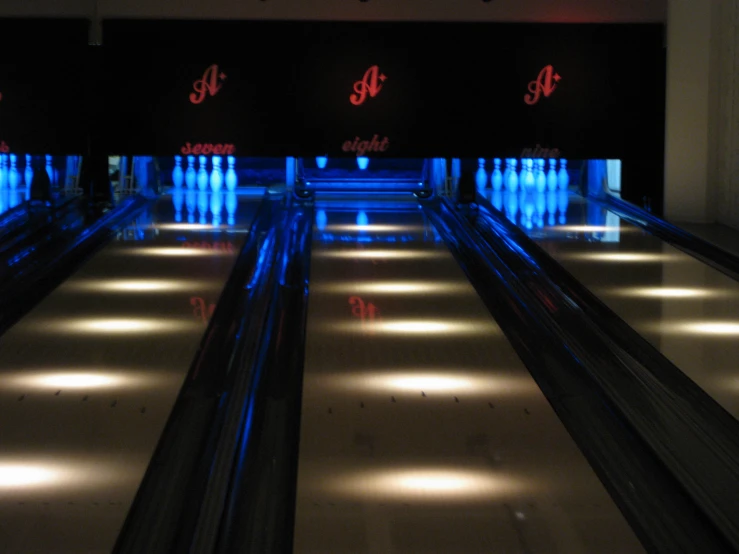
(638, 257)
(171, 251)
(396, 254)
(393, 287)
(588, 228)
(415, 327)
(457, 381)
(434, 484)
(710, 328)
(54, 473)
(375, 228)
(54, 379)
(119, 326)
(665, 292)
(137, 285)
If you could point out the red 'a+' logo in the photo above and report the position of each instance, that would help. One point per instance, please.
(545, 83)
(210, 83)
(370, 84)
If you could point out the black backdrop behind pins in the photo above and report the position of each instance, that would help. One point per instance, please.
(448, 90)
(43, 77)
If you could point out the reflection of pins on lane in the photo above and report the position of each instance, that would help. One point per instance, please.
(362, 220)
(190, 174)
(191, 203)
(28, 173)
(541, 208)
(14, 176)
(563, 200)
(232, 180)
(511, 205)
(231, 204)
(202, 173)
(321, 161)
(563, 178)
(497, 177)
(541, 177)
(178, 197)
(512, 182)
(362, 162)
(178, 176)
(203, 206)
(216, 207)
(50, 169)
(498, 199)
(481, 177)
(552, 179)
(552, 206)
(321, 220)
(216, 175)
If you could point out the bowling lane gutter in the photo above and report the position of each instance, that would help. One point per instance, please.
(665, 507)
(188, 476)
(714, 256)
(36, 269)
(31, 218)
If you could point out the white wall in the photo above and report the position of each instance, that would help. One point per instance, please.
(452, 10)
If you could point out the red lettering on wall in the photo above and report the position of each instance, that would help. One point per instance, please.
(370, 84)
(361, 147)
(207, 148)
(4, 148)
(200, 311)
(209, 84)
(545, 83)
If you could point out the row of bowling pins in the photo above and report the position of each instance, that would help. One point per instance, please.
(536, 208)
(202, 203)
(362, 162)
(532, 177)
(11, 176)
(201, 178)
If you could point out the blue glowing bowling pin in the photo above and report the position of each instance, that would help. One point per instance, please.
(190, 173)
(497, 178)
(563, 177)
(362, 219)
(14, 176)
(321, 220)
(541, 176)
(178, 175)
(178, 198)
(28, 173)
(216, 207)
(203, 206)
(50, 171)
(529, 181)
(216, 175)
(203, 173)
(481, 177)
(552, 178)
(362, 162)
(321, 161)
(231, 204)
(3, 171)
(529, 207)
(232, 180)
(191, 203)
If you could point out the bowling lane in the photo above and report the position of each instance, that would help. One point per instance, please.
(421, 429)
(89, 376)
(683, 307)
